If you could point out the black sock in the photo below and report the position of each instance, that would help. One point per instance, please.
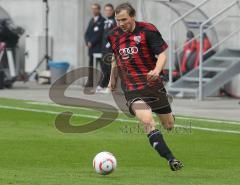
(156, 140)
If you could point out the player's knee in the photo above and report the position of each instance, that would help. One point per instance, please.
(148, 120)
(169, 125)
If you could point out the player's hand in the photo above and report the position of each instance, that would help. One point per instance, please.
(112, 84)
(153, 75)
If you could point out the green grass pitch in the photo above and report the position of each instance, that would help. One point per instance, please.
(34, 152)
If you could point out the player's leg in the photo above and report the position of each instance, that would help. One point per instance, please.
(144, 113)
(90, 72)
(167, 121)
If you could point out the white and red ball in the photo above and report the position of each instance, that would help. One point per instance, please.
(104, 163)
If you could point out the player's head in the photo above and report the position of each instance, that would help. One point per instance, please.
(125, 16)
(96, 8)
(109, 10)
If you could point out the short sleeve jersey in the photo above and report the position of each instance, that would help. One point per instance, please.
(135, 53)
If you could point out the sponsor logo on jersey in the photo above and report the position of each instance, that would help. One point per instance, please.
(126, 52)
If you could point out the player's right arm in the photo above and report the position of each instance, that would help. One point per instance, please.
(114, 75)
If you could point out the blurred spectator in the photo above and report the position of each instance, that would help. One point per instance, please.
(109, 24)
(8, 34)
(189, 53)
(9, 37)
(93, 38)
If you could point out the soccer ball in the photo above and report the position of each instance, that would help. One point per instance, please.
(104, 163)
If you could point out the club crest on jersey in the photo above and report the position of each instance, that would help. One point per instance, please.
(137, 39)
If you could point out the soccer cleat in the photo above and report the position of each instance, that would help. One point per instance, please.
(175, 164)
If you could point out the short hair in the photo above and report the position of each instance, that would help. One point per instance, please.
(97, 5)
(109, 5)
(126, 6)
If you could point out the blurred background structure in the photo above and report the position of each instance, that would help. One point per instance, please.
(212, 26)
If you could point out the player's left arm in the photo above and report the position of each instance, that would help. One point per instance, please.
(158, 47)
(161, 61)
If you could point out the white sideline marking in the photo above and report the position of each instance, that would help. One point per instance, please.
(210, 120)
(122, 120)
(56, 105)
(210, 129)
(55, 113)
(43, 111)
(179, 117)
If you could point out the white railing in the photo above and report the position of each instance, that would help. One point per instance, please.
(201, 53)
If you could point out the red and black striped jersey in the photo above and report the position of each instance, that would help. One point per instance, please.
(135, 53)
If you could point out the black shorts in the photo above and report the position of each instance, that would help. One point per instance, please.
(156, 97)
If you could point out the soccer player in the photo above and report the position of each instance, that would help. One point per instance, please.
(139, 57)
